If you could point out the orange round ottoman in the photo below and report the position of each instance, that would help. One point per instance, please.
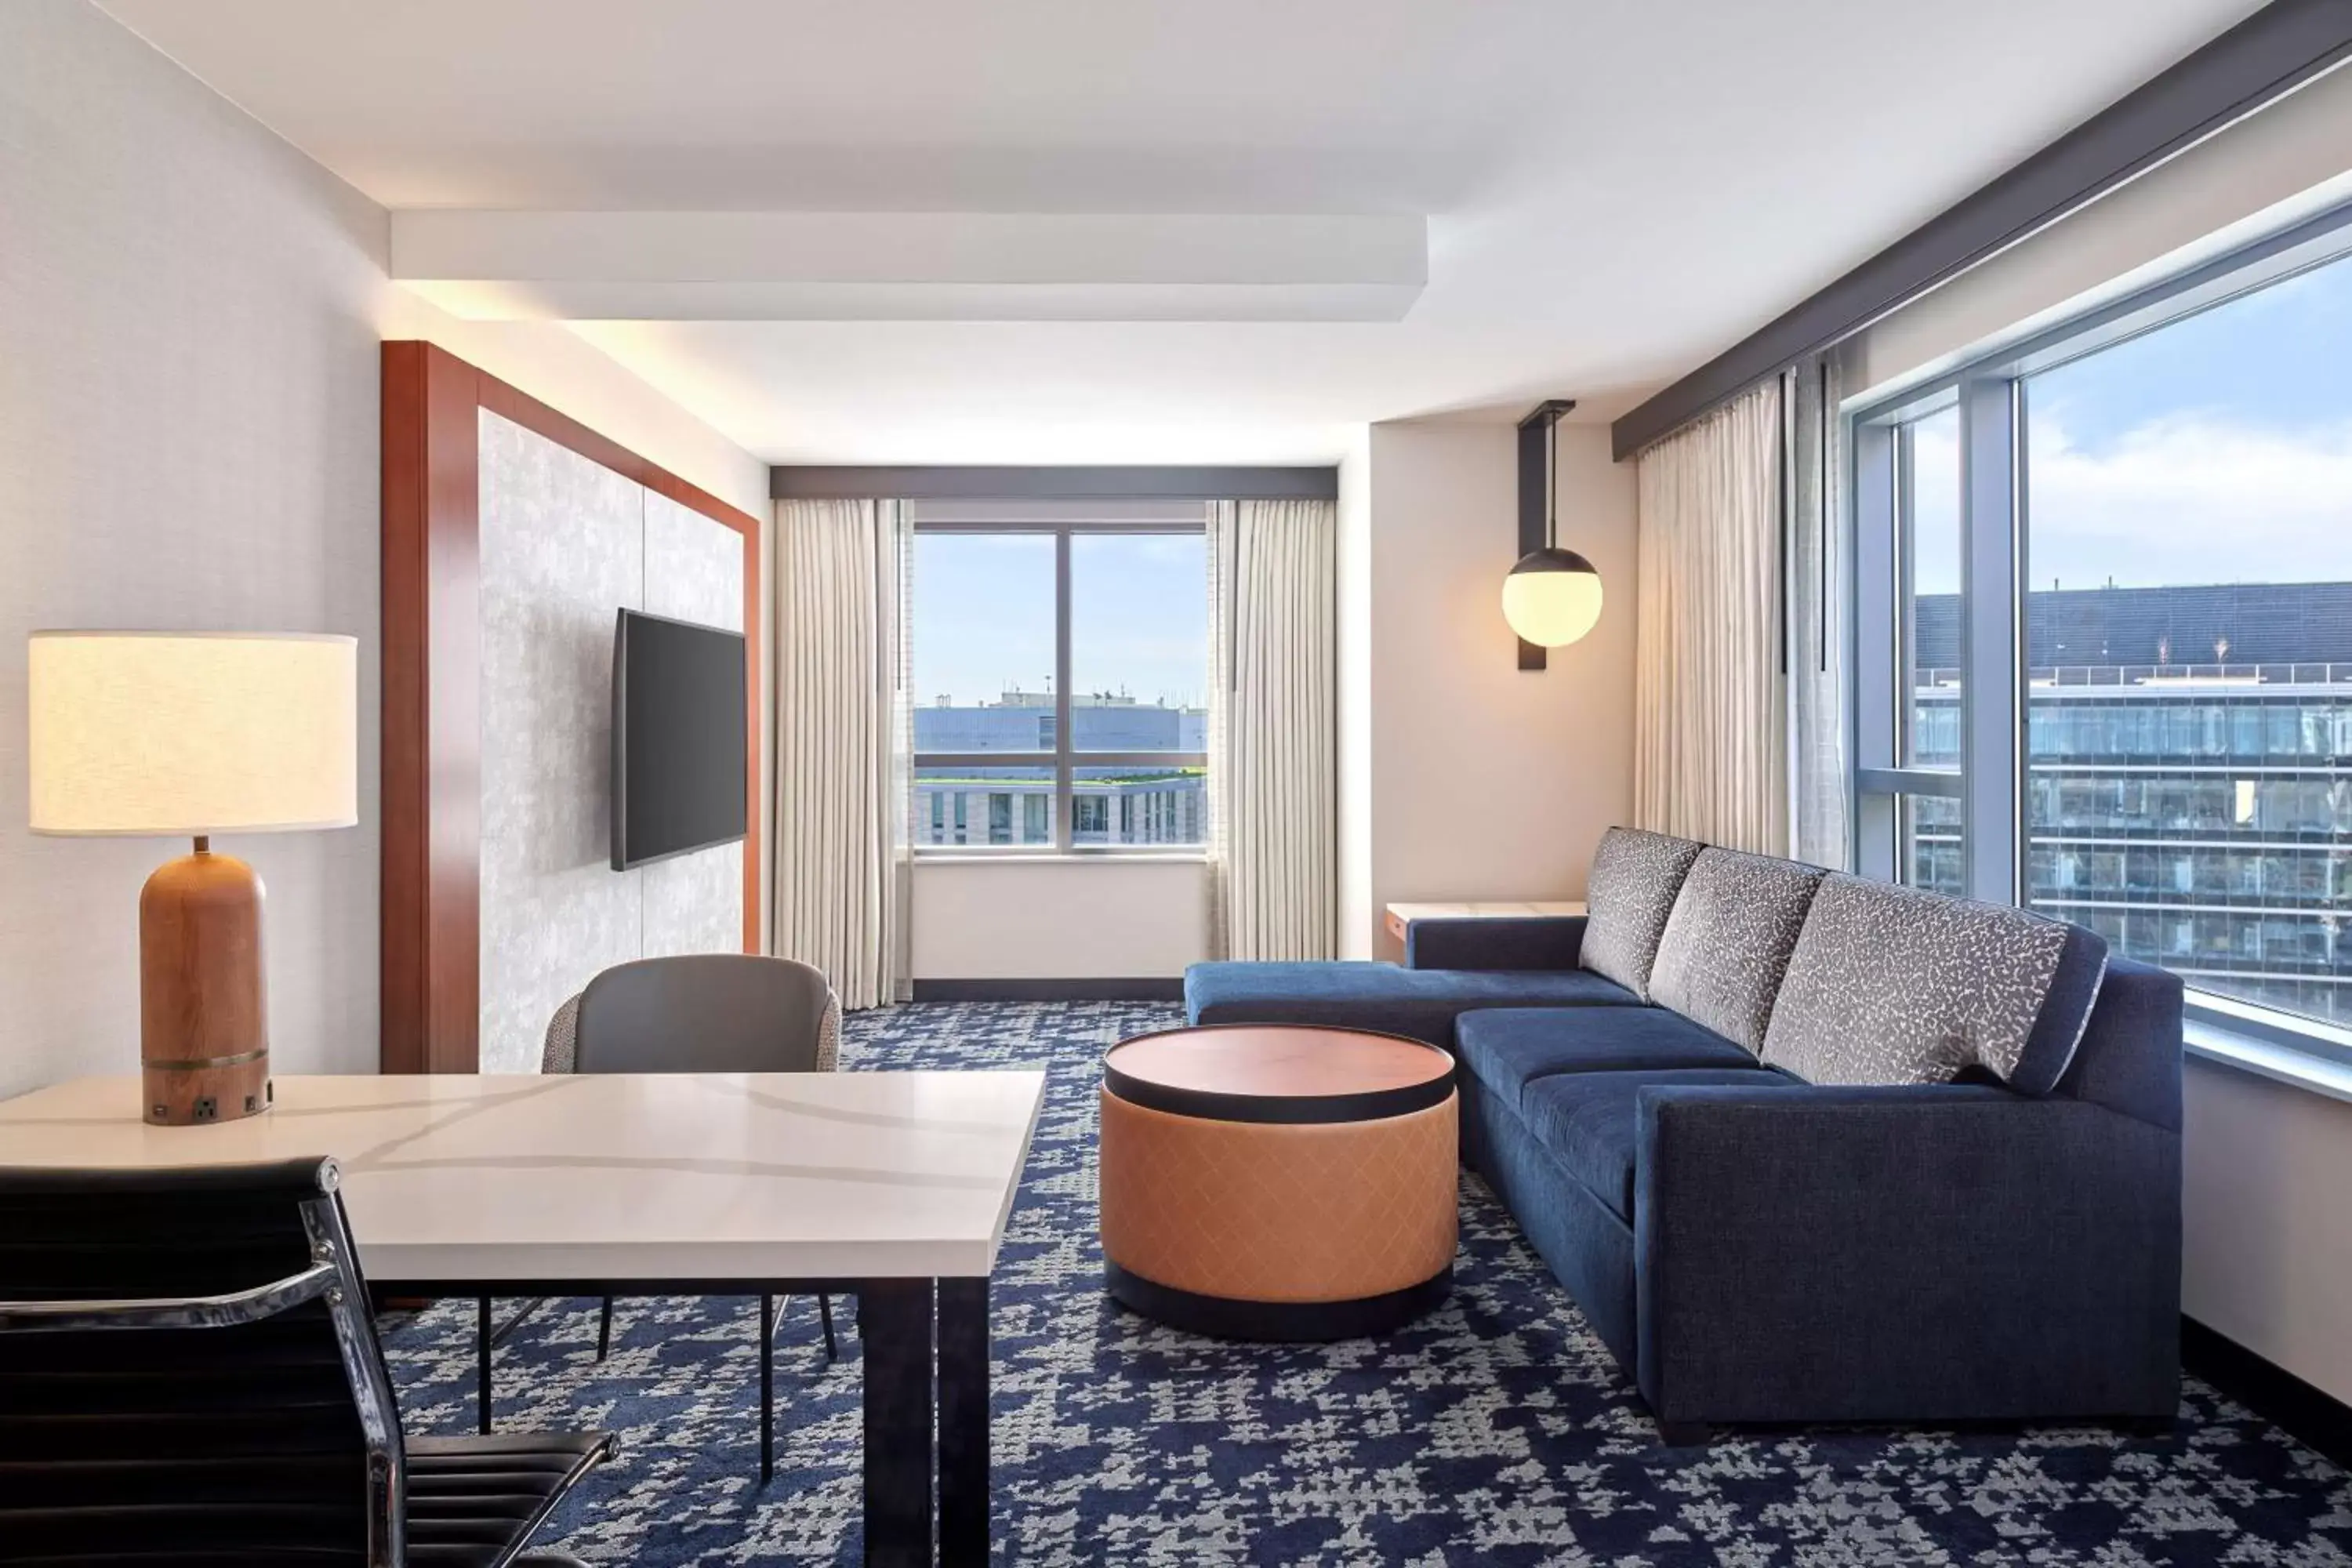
(1273, 1182)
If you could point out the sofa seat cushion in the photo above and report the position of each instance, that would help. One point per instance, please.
(1421, 1002)
(1588, 1120)
(1727, 944)
(1628, 896)
(1894, 986)
(1508, 1048)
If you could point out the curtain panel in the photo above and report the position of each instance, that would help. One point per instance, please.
(1820, 827)
(1710, 756)
(1273, 740)
(843, 745)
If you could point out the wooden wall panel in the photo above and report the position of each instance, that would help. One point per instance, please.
(431, 686)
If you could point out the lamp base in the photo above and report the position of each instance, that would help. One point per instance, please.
(204, 1015)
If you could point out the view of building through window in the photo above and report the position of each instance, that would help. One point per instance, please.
(985, 621)
(2187, 498)
(1928, 477)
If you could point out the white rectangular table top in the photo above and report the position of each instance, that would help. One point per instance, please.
(651, 1176)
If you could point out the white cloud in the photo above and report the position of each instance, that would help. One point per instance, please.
(2191, 498)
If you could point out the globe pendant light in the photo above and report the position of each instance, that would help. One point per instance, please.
(1552, 597)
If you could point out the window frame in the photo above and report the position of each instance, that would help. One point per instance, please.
(1064, 758)
(1989, 389)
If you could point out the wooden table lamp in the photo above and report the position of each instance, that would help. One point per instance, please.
(193, 733)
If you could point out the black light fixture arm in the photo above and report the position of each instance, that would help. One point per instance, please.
(1540, 491)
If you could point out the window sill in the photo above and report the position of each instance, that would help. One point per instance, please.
(2210, 1041)
(984, 857)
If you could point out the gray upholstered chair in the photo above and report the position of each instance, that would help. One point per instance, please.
(706, 1012)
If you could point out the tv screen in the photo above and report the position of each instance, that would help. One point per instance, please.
(678, 743)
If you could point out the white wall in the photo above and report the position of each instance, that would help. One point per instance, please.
(2268, 1244)
(1100, 919)
(187, 439)
(2269, 1258)
(1485, 780)
(190, 313)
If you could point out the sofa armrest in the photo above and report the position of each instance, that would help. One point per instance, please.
(1947, 1251)
(1531, 941)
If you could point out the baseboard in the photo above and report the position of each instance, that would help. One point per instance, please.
(2317, 1419)
(1146, 989)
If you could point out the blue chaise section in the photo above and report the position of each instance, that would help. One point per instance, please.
(1419, 1003)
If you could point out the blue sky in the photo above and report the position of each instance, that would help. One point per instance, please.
(984, 616)
(2216, 449)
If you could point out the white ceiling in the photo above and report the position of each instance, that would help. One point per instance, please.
(1615, 189)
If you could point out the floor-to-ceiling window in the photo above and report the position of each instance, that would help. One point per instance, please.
(2128, 641)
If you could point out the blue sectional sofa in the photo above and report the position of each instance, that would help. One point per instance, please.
(1807, 1148)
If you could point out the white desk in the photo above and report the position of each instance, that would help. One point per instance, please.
(894, 1185)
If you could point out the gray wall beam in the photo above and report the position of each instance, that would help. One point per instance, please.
(809, 481)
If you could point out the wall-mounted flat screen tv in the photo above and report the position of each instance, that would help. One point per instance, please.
(678, 741)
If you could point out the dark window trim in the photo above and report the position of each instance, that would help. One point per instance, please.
(819, 481)
(1065, 759)
(2286, 45)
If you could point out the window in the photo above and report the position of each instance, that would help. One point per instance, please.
(2147, 724)
(1911, 728)
(1061, 673)
(2189, 634)
(1928, 709)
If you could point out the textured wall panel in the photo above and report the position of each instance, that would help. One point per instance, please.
(566, 544)
(694, 572)
(694, 566)
(562, 552)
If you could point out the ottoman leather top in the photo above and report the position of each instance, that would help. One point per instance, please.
(1278, 1073)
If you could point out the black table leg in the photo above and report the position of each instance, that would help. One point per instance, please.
(963, 1421)
(767, 1389)
(482, 1362)
(897, 1317)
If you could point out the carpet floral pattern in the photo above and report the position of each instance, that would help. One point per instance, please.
(1495, 1431)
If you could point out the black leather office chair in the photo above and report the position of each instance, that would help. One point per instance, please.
(189, 1376)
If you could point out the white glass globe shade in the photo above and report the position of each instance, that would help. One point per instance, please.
(1552, 597)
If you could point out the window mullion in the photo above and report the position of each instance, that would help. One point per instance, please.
(1064, 796)
(1875, 592)
(1991, 611)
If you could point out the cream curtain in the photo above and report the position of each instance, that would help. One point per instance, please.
(1820, 828)
(1273, 763)
(843, 744)
(1710, 758)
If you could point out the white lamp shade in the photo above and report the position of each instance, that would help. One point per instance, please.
(1549, 603)
(188, 733)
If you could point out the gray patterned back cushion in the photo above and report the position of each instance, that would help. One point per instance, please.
(1727, 944)
(1635, 876)
(1894, 985)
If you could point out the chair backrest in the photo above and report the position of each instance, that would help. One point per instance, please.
(188, 1375)
(709, 1012)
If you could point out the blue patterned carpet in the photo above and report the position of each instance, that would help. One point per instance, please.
(1496, 1431)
